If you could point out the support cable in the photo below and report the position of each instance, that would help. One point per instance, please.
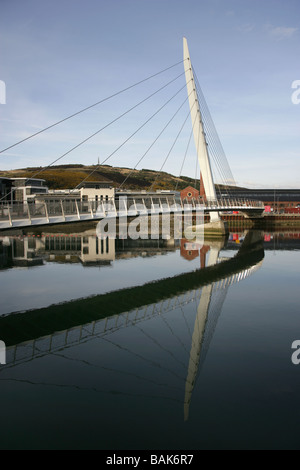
(185, 155)
(165, 161)
(210, 128)
(149, 148)
(130, 137)
(100, 130)
(91, 106)
(216, 150)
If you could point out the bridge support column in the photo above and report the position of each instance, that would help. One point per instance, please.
(216, 228)
(46, 211)
(9, 216)
(198, 130)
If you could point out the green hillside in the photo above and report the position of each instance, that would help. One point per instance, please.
(69, 176)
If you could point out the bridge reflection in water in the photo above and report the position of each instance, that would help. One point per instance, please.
(33, 334)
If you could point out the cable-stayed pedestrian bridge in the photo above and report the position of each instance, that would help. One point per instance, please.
(19, 215)
(210, 159)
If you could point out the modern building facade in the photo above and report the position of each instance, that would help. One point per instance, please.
(275, 200)
(278, 200)
(6, 189)
(25, 189)
(21, 189)
(98, 191)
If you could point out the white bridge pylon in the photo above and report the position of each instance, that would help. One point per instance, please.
(198, 131)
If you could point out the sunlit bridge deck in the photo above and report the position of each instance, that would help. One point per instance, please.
(22, 215)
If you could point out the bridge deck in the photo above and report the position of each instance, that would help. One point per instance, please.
(21, 215)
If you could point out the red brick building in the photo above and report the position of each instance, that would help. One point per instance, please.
(189, 250)
(189, 194)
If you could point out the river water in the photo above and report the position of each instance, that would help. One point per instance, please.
(149, 344)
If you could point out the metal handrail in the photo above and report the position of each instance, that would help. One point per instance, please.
(91, 208)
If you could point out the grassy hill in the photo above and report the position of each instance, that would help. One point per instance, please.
(69, 176)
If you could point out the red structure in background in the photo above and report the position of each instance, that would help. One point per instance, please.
(292, 210)
(191, 193)
(203, 252)
(188, 250)
(191, 251)
(202, 190)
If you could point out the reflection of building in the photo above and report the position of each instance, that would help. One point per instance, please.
(189, 250)
(78, 248)
(209, 295)
(127, 248)
(97, 250)
(19, 252)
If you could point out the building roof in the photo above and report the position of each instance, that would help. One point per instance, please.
(189, 188)
(92, 184)
(26, 179)
(266, 194)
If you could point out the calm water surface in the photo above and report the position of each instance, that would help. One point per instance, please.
(149, 344)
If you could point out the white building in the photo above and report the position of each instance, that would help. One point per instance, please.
(25, 189)
(98, 191)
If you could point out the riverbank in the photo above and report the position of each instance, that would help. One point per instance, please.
(267, 222)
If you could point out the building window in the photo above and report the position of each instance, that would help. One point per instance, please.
(19, 195)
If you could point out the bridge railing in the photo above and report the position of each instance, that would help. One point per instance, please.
(226, 203)
(77, 209)
(234, 203)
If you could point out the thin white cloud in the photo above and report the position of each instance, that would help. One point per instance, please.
(246, 28)
(281, 32)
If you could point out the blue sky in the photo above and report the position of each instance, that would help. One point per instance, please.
(59, 56)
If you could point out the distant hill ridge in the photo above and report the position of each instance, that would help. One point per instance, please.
(69, 176)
